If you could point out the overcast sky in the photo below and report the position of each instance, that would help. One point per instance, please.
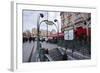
(30, 20)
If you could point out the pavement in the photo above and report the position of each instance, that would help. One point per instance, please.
(35, 53)
(30, 53)
(48, 46)
(77, 55)
(27, 48)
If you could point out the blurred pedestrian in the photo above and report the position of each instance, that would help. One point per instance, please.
(46, 51)
(65, 57)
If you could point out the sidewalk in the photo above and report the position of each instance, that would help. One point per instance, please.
(27, 48)
(55, 53)
(35, 53)
(77, 55)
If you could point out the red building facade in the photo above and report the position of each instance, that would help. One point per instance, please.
(79, 22)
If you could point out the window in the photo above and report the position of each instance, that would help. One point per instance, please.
(69, 34)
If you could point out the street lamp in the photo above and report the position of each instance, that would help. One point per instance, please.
(38, 36)
(55, 20)
(41, 15)
(52, 23)
(38, 29)
(57, 29)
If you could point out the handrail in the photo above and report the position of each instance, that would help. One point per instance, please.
(48, 57)
(61, 50)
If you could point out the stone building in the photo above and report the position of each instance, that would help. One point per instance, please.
(75, 21)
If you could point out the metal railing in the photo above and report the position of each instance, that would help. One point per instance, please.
(48, 58)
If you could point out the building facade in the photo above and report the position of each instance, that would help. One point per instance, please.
(43, 33)
(79, 22)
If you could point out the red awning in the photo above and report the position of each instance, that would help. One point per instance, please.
(61, 34)
(57, 35)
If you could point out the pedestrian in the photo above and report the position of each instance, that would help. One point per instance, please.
(65, 57)
(40, 45)
(46, 51)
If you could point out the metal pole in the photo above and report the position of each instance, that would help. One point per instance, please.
(57, 26)
(47, 25)
(38, 43)
(58, 29)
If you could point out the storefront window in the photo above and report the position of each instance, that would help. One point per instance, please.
(69, 34)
